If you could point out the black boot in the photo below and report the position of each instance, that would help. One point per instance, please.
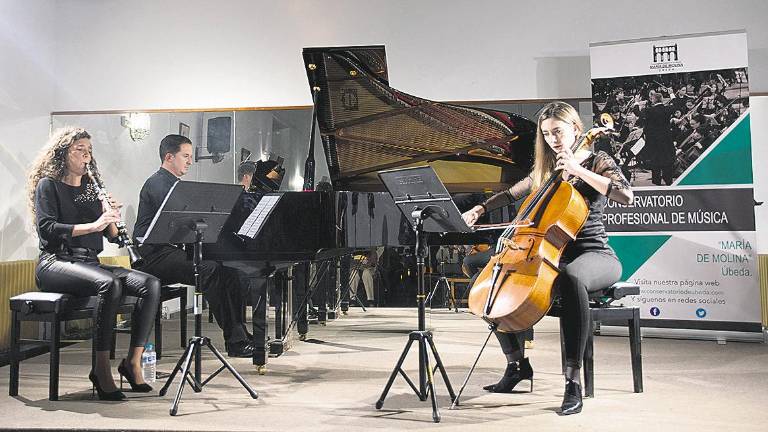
(571, 398)
(515, 372)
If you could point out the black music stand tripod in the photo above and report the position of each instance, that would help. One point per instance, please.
(421, 196)
(442, 282)
(351, 291)
(190, 211)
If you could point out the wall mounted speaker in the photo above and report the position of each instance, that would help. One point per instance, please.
(219, 135)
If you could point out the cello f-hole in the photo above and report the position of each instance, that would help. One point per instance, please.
(530, 249)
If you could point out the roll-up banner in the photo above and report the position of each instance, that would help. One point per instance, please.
(682, 138)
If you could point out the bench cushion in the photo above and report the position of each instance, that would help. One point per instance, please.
(616, 291)
(623, 289)
(173, 291)
(50, 302)
(46, 302)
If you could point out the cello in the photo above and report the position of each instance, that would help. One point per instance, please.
(514, 290)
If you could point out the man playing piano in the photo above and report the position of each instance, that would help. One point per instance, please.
(221, 285)
(245, 174)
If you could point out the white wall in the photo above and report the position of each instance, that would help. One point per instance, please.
(758, 107)
(202, 53)
(27, 82)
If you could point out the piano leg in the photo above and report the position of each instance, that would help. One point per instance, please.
(281, 288)
(260, 303)
(344, 275)
(300, 274)
(325, 283)
(333, 289)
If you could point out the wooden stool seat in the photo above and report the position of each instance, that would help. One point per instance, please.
(454, 303)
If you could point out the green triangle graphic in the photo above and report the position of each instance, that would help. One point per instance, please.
(634, 251)
(730, 162)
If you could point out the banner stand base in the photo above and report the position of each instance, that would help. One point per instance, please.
(719, 336)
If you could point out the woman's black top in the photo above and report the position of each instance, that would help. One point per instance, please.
(59, 207)
(592, 236)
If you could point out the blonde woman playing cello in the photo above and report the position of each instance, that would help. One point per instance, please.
(587, 263)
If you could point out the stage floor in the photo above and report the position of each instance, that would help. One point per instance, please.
(331, 381)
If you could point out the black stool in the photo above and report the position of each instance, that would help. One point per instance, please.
(53, 308)
(602, 311)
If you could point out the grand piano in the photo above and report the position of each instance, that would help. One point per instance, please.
(366, 126)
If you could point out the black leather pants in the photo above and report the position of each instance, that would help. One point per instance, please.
(82, 275)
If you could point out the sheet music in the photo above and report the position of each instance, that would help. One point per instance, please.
(258, 216)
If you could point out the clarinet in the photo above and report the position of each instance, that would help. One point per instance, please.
(123, 238)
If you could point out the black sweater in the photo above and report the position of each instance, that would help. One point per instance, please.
(592, 236)
(58, 208)
(151, 198)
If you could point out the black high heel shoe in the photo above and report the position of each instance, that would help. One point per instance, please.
(514, 373)
(116, 395)
(571, 398)
(125, 372)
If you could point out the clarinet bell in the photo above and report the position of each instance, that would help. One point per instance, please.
(133, 253)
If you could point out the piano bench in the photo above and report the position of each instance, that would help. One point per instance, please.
(53, 308)
(167, 292)
(602, 311)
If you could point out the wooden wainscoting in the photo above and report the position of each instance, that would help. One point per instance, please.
(16, 277)
(762, 261)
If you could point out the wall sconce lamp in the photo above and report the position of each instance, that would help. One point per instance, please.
(137, 124)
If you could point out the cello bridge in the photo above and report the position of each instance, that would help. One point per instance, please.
(511, 245)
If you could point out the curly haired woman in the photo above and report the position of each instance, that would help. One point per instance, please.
(71, 224)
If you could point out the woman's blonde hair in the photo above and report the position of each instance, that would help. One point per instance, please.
(544, 157)
(52, 160)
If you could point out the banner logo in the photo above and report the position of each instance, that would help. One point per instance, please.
(349, 99)
(701, 312)
(665, 53)
(655, 311)
(665, 58)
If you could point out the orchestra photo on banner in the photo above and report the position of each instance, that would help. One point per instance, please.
(665, 122)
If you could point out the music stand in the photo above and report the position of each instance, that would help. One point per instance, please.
(194, 212)
(425, 201)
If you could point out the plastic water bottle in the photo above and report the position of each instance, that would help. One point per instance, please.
(149, 363)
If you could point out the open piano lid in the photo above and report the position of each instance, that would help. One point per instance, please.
(367, 126)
